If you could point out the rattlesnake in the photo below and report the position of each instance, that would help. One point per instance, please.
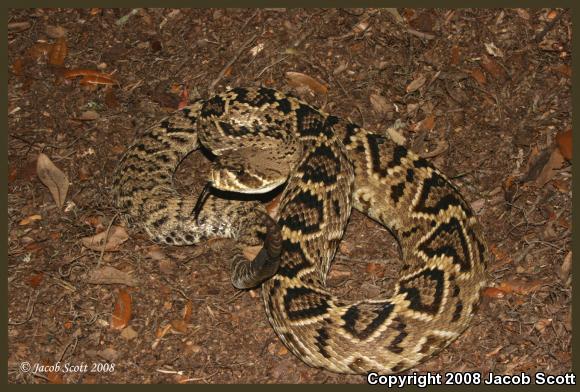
(332, 165)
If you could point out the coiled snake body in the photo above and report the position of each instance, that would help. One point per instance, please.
(330, 165)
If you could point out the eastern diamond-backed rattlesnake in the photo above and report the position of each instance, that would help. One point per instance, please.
(332, 165)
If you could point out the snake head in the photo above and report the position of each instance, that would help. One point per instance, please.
(252, 179)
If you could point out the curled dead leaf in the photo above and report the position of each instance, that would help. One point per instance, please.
(94, 80)
(478, 76)
(122, 311)
(53, 178)
(29, 219)
(300, 80)
(564, 141)
(117, 235)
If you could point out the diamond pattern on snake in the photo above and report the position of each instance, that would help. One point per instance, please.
(263, 139)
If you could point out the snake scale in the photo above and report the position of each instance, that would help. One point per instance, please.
(328, 165)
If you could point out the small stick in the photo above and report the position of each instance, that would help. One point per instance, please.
(270, 66)
(106, 239)
(233, 60)
(420, 34)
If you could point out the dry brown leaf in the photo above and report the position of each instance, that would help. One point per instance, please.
(493, 292)
(156, 253)
(563, 69)
(95, 80)
(89, 115)
(58, 52)
(117, 235)
(416, 84)
(74, 73)
(18, 67)
(564, 141)
(522, 13)
(493, 50)
(53, 377)
(300, 80)
(179, 325)
(35, 280)
(54, 179)
(375, 269)
(550, 168)
(519, 286)
(552, 15)
(110, 275)
(187, 311)
(55, 31)
(455, 55)
(122, 311)
(541, 324)
(29, 219)
(17, 27)
(38, 50)
(427, 124)
(491, 66)
(380, 104)
(478, 76)
(566, 267)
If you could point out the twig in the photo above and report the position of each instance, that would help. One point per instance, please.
(249, 19)
(30, 305)
(106, 239)
(233, 60)
(420, 34)
(270, 66)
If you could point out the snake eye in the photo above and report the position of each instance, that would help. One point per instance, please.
(238, 171)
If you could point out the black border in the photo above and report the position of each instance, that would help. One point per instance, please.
(291, 4)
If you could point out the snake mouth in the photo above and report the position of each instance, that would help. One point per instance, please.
(242, 182)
